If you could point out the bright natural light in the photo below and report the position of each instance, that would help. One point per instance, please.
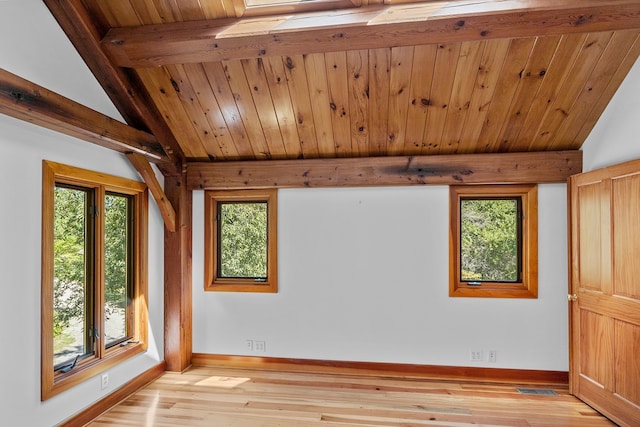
(222, 382)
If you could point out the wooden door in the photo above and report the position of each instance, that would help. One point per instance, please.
(605, 278)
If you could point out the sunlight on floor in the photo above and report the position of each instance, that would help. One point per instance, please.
(222, 382)
(151, 413)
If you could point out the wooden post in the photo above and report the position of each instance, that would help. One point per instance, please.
(177, 278)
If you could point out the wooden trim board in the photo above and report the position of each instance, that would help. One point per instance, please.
(399, 370)
(109, 401)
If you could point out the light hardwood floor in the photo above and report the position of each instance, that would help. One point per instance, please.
(205, 396)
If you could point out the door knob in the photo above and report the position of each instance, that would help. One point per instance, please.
(572, 297)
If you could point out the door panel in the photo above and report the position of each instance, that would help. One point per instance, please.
(605, 276)
(627, 356)
(626, 235)
(589, 235)
(596, 348)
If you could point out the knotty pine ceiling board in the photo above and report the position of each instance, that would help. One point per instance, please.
(620, 53)
(123, 13)
(396, 79)
(522, 94)
(501, 95)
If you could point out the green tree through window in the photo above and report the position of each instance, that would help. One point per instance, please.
(493, 244)
(73, 318)
(94, 285)
(71, 262)
(117, 259)
(243, 239)
(489, 240)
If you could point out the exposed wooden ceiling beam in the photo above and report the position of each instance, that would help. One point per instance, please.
(143, 167)
(28, 101)
(503, 168)
(85, 29)
(362, 28)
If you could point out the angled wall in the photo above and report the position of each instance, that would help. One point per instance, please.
(616, 137)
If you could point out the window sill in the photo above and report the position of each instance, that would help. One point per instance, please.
(89, 368)
(234, 285)
(493, 290)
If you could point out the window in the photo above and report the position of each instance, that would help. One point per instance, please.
(493, 241)
(240, 241)
(94, 237)
(271, 7)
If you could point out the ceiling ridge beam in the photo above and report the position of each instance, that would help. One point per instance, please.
(368, 27)
(491, 168)
(22, 99)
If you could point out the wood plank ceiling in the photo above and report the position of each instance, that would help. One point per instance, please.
(376, 80)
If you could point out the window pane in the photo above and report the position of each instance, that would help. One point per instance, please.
(243, 240)
(71, 296)
(117, 244)
(489, 240)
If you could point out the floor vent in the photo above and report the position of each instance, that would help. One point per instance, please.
(537, 391)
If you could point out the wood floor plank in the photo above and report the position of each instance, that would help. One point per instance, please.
(208, 396)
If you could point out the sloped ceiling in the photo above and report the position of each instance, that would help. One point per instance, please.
(375, 80)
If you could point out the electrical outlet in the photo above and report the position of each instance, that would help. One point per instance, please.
(104, 381)
(492, 356)
(249, 345)
(476, 356)
(261, 346)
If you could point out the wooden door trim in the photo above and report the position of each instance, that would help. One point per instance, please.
(573, 271)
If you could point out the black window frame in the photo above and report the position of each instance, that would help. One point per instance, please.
(519, 241)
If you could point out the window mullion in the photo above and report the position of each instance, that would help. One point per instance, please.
(131, 277)
(99, 273)
(90, 249)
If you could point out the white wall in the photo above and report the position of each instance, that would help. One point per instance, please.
(24, 146)
(34, 47)
(363, 276)
(616, 137)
